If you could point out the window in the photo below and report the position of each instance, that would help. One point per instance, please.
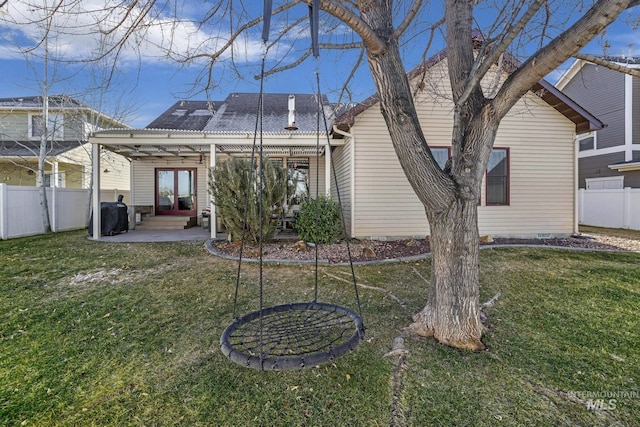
(586, 143)
(498, 177)
(49, 180)
(441, 155)
(54, 126)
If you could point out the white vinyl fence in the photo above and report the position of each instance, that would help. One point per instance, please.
(610, 208)
(20, 213)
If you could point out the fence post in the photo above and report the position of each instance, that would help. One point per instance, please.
(626, 208)
(581, 205)
(54, 209)
(4, 203)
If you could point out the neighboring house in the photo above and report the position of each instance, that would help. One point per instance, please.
(68, 156)
(610, 157)
(530, 190)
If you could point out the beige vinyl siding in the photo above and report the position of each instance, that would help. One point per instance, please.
(635, 108)
(540, 142)
(541, 177)
(118, 177)
(385, 204)
(342, 164)
(317, 165)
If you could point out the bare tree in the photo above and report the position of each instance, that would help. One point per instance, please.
(541, 33)
(50, 67)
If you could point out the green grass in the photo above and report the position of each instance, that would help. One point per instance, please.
(127, 334)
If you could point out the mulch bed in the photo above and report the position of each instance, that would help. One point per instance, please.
(373, 250)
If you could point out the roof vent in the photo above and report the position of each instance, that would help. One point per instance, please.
(292, 114)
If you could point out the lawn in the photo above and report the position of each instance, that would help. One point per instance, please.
(95, 333)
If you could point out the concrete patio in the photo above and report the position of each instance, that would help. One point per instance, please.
(193, 233)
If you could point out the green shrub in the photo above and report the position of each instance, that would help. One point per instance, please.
(323, 225)
(230, 184)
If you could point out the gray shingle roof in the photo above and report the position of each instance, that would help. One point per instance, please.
(55, 101)
(30, 148)
(186, 115)
(238, 112)
(622, 59)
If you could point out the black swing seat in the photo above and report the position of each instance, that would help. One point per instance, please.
(292, 336)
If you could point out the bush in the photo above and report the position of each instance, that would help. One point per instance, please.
(323, 225)
(231, 188)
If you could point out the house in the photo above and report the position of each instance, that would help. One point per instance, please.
(531, 176)
(68, 160)
(528, 190)
(171, 158)
(610, 157)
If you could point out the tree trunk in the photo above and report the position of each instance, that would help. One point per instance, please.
(452, 313)
(42, 189)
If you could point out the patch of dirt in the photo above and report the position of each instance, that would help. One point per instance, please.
(374, 250)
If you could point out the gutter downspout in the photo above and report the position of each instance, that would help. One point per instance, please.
(352, 177)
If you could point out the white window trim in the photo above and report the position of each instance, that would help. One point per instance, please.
(582, 136)
(58, 133)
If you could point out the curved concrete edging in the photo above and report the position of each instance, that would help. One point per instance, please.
(209, 245)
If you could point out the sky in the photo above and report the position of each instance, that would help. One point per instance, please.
(146, 83)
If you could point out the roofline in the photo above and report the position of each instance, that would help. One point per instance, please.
(347, 119)
(570, 73)
(81, 106)
(191, 134)
(633, 165)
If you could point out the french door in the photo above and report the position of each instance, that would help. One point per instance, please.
(175, 191)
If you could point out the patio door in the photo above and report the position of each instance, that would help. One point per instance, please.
(176, 191)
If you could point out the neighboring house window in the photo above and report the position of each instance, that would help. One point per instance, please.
(498, 177)
(49, 180)
(54, 127)
(441, 155)
(608, 183)
(586, 143)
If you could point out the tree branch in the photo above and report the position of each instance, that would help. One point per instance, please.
(549, 57)
(497, 50)
(608, 64)
(370, 39)
(413, 11)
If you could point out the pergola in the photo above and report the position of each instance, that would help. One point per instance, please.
(148, 144)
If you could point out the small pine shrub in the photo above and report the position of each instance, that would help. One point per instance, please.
(234, 187)
(323, 225)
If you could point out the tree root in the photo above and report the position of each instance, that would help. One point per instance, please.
(374, 288)
(398, 412)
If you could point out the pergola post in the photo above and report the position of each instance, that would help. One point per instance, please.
(213, 221)
(327, 171)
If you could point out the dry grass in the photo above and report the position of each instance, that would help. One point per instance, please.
(127, 334)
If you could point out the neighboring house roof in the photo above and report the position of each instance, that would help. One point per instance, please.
(31, 148)
(583, 120)
(631, 165)
(35, 102)
(186, 115)
(577, 65)
(56, 102)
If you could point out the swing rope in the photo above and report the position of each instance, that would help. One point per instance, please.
(295, 335)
